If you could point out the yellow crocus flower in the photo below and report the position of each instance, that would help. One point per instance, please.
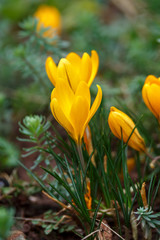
(151, 95)
(120, 122)
(48, 17)
(74, 69)
(74, 111)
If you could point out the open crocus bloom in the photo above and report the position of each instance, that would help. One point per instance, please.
(74, 111)
(151, 95)
(120, 122)
(73, 69)
(48, 17)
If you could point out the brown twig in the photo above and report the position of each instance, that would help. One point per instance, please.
(98, 230)
(55, 200)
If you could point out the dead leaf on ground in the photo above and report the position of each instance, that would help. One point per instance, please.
(105, 233)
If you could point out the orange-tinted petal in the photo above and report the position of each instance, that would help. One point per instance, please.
(152, 79)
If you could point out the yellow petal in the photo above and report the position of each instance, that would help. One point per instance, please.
(78, 115)
(146, 99)
(64, 95)
(137, 144)
(67, 72)
(61, 70)
(85, 68)
(113, 126)
(151, 96)
(53, 94)
(72, 75)
(95, 65)
(152, 79)
(120, 122)
(95, 104)
(75, 60)
(154, 97)
(122, 116)
(51, 70)
(123, 123)
(60, 117)
(94, 107)
(83, 90)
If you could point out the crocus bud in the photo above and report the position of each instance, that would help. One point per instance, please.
(151, 95)
(122, 125)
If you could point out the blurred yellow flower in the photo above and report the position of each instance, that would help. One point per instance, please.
(74, 69)
(73, 111)
(131, 163)
(48, 17)
(151, 95)
(121, 122)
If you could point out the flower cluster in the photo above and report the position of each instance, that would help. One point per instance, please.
(71, 99)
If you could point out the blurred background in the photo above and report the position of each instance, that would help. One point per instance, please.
(126, 35)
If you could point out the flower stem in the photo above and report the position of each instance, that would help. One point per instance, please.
(79, 148)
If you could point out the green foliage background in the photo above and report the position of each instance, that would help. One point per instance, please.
(125, 37)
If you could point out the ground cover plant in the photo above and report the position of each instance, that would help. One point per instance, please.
(90, 162)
